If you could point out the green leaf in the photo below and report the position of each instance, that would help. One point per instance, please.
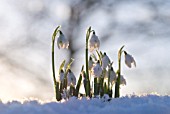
(105, 88)
(100, 57)
(94, 57)
(62, 65)
(95, 87)
(101, 54)
(58, 94)
(98, 54)
(69, 64)
(117, 86)
(78, 85)
(82, 69)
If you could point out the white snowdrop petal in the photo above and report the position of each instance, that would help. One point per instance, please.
(62, 42)
(94, 42)
(105, 61)
(112, 76)
(122, 80)
(71, 79)
(61, 76)
(129, 60)
(128, 63)
(90, 63)
(96, 70)
(134, 62)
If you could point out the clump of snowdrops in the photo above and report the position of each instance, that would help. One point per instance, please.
(98, 77)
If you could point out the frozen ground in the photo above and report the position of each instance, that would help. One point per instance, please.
(148, 104)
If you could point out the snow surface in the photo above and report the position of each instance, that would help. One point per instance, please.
(148, 104)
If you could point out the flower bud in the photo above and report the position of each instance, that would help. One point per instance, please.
(71, 79)
(61, 76)
(129, 60)
(97, 70)
(90, 64)
(94, 42)
(62, 42)
(112, 76)
(122, 80)
(105, 61)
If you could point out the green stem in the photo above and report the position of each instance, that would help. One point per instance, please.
(95, 87)
(108, 81)
(78, 85)
(56, 84)
(79, 82)
(86, 56)
(105, 89)
(101, 83)
(117, 86)
(101, 90)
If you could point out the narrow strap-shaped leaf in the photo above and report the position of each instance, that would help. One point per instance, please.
(94, 57)
(117, 85)
(58, 94)
(100, 58)
(69, 64)
(105, 88)
(78, 85)
(101, 54)
(79, 82)
(62, 65)
(95, 87)
(101, 90)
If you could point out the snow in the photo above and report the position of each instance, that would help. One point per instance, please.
(132, 104)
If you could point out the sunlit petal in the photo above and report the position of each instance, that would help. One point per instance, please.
(112, 76)
(129, 60)
(71, 79)
(62, 42)
(105, 61)
(97, 70)
(122, 80)
(94, 42)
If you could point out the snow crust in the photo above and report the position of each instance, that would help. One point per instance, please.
(132, 104)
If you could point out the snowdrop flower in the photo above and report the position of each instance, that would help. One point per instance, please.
(61, 76)
(122, 80)
(71, 79)
(65, 94)
(129, 60)
(97, 70)
(62, 42)
(94, 42)
(90, 64)
(112, 76)
(105, 61)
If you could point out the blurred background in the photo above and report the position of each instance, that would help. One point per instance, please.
(26, 27)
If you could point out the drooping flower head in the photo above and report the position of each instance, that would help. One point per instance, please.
(122, 80)
(112, 76)
(129, 60)
(94, 42)
(97, 70)
(62, 42)
(90, 64)
(105, 61)
(71, 79)
(61, 76)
